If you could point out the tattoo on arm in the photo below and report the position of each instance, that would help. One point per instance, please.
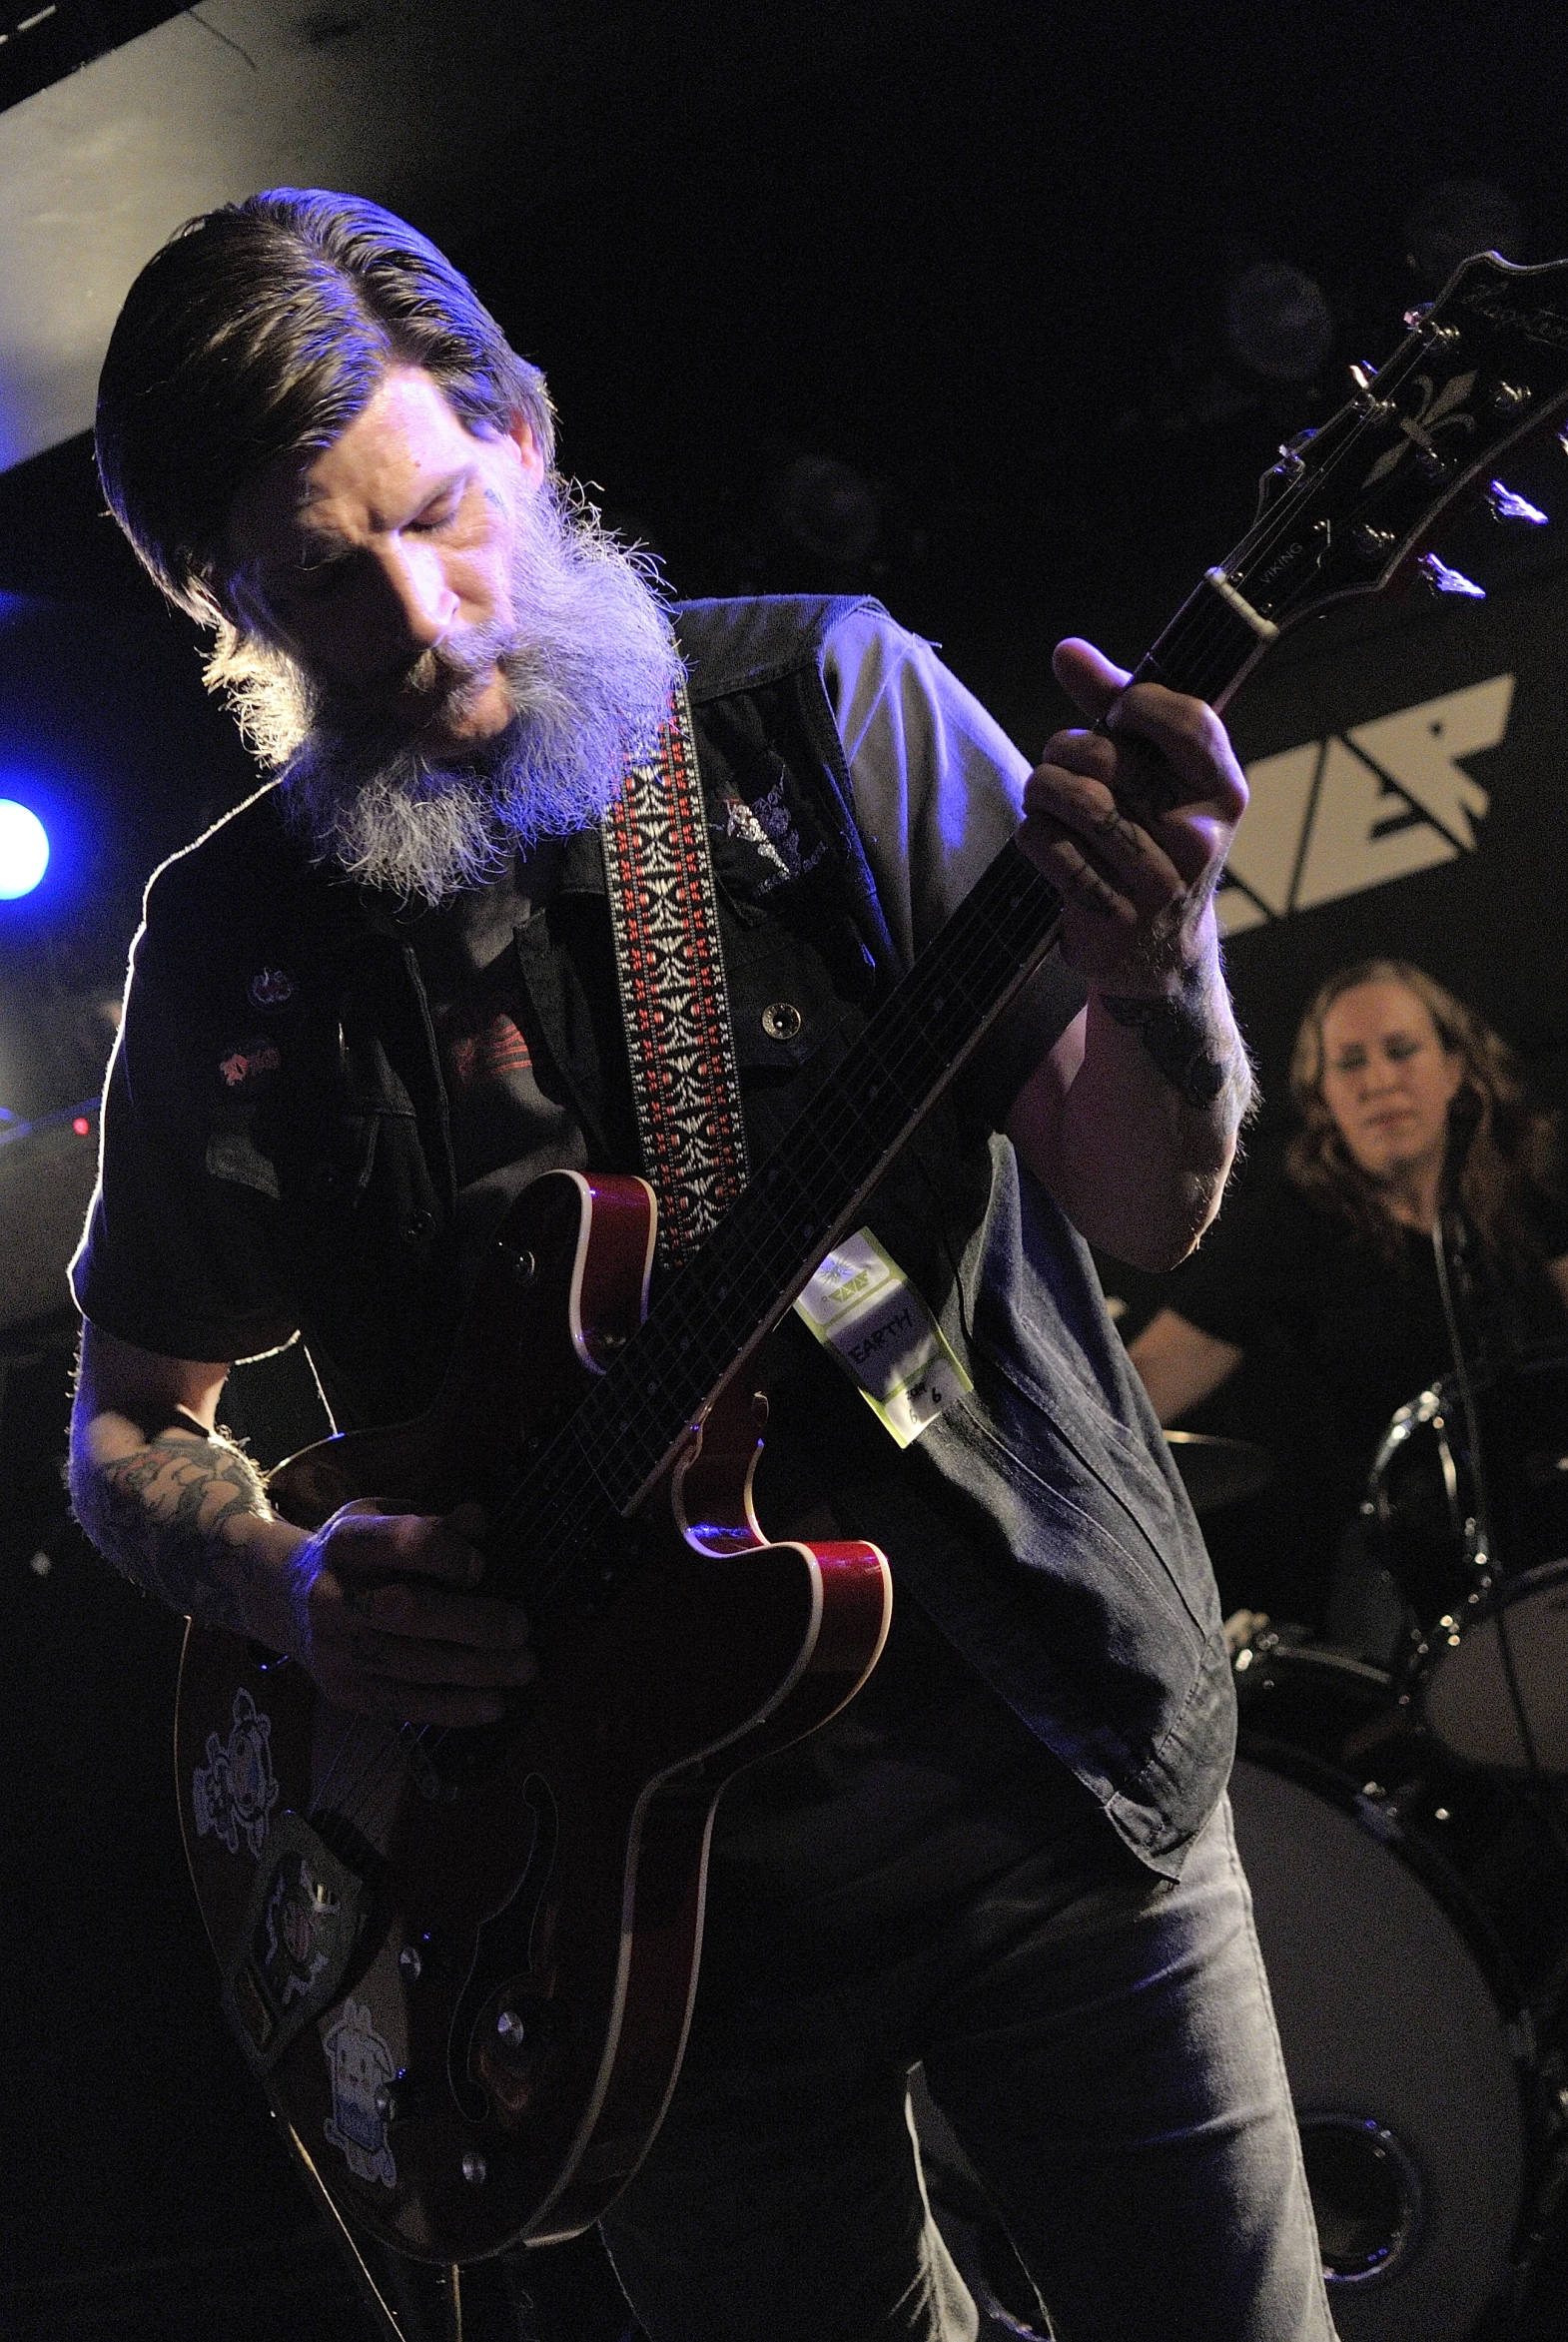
(161, 1516)
(1181, 1041)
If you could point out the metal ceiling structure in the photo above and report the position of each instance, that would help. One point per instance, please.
(384, 97)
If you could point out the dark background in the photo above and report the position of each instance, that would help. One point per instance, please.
(910, 299)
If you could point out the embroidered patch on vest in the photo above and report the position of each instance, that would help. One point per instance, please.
(243, 1064)
(269, 987)
(766, 824)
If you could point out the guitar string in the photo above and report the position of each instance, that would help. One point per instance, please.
(319, 1788)
(820, 1155)
(815, 1159)
(1215, 629)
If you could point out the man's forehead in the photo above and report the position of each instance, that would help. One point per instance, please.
(407, 443)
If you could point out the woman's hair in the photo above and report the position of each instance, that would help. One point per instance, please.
(265, 329)
(1502, 1152)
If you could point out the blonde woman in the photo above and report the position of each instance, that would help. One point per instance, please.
(1406, 1103)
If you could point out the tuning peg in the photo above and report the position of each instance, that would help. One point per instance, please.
(1505, 505)
(1442, 579)
(1362, 373)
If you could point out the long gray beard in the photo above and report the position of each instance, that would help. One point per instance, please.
(590, 662)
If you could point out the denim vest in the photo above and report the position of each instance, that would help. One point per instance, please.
(1038, 1521)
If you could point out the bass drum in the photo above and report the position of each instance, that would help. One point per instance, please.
(1404, 2036)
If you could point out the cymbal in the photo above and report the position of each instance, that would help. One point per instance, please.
(1217, 1472)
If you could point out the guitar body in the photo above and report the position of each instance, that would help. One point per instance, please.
(464, 1963)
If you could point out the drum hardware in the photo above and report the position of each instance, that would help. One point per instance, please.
(1312, 1695)
(1216, 1471)
(1449, 1225)
(1367, 2196)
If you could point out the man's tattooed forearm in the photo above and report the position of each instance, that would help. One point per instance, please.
(161, 1515)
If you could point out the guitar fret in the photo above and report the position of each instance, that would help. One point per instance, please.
(1205, 649)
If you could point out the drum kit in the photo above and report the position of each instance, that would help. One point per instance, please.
(1404, 1829)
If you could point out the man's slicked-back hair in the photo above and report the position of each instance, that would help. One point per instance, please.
(264, 328)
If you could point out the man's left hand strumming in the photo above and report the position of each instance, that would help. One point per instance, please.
(1131, 1120)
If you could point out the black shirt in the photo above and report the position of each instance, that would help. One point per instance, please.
(509, 1112)
(1365, 1320)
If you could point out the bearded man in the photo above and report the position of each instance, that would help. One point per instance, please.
(379, 997)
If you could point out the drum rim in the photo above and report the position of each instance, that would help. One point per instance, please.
(1500, 1587)
(1443, 1399)
(1252, 1664)
(1425, 1664)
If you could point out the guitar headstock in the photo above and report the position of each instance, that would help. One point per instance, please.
(1347, 507)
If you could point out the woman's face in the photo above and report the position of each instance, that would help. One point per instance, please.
(1387, 1079)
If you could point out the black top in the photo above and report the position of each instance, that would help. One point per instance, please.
(509, 1109)
(1365, 1321)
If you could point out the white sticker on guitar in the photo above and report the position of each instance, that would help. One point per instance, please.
(233, 1793)
(862, 1307)
(362, 2069)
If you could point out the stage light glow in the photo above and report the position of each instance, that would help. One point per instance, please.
(24, 850)
(1448, 222)
(1278, 323)
(829, 509)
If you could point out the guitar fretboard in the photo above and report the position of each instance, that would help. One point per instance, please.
(721, 1305)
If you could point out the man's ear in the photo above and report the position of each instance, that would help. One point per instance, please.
(520, 430)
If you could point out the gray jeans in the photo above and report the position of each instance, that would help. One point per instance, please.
(1103, 2045)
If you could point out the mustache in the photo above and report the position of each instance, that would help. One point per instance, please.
(445, 671)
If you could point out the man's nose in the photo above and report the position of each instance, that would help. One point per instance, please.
(417, 600)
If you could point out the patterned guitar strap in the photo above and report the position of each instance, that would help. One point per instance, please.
(665, 913)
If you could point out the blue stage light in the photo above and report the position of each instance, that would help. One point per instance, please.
(24, 850)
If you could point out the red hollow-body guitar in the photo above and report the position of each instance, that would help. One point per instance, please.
(464, 1963)
(514, 1915)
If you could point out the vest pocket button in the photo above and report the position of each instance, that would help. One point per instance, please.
(418, 1226)
(781, 1019)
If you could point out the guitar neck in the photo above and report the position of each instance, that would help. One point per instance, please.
(811, 1190)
